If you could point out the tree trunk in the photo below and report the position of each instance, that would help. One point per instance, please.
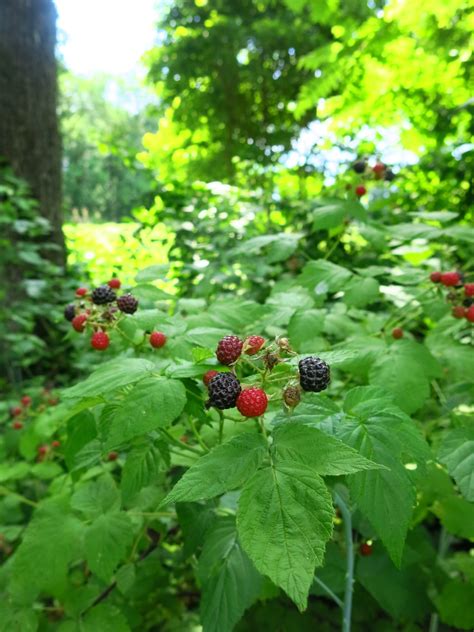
(29, 134)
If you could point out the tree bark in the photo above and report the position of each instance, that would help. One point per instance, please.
(29, 134)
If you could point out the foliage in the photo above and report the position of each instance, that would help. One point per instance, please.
(102, 129)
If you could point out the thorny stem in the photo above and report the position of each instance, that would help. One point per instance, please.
(333, 596)
(347, 518)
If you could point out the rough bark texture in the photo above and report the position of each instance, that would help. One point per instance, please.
(29, 134)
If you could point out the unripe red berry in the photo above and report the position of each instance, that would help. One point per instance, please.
(26, 400)
(292, 396)
(79, 322)
(229, 349)
(207, 377)
(253, 344)
(157, 339)
(81, 291)
(397, 333)
(114, 284)
(42, 450)
(17, 425)
(15, 411)
(184, 439)
(469, 289)
(458, 311)
(55, 444)
(450, 279)
(53, 401)
(470, 314)
(378, 170)
(360, 190)
(112, 456)
(365, 549)
(435, 277)
(252, 402)
(100, 340)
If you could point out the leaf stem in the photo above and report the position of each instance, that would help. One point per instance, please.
(197, 435)
(347, 518)
(179, 444)
(5, 491)
(221, 425)
(333, 596)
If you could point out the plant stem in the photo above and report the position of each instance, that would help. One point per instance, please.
(347, 518)
(5, 491)
(443, 546)
(197, 435)
(333, 596)
(179, 444)
(221, 425)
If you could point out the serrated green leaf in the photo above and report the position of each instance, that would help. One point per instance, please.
(304, 327)
(456, 515)
(226, 467)
(96, 497)
(152, 403)
(141, 469)
(125, 577)
(17, 619)
(106, 541)
(312, 412)
(457, 453)
(455, 604)
(106, 618)
(230, 583)
(361, 291)
(321, 271)
(49, 544)
(284, 519)
(326, 455)
(109, 377)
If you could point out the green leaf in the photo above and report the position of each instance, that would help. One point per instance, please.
(106, 618)
(49, 544)
(457, 453)
(456, 515)
(152, 403)
(109, 377)
(96, 497)
(312, 412)
(226, 467)
(326, 455)
(106, 542)
(361, 291)
(334, 277)
(17, 619)
(304, 327)
(151, 273)
(455, 604)
(230, 583)
(383, 433)
(141, 469)
(125, 577)
(284, 519)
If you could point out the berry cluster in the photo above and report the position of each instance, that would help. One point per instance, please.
(27, 409)
(460, 294)
(100, 310)
(378, 171)
(225, 388)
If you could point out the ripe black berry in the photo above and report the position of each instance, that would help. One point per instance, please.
(389, 176)
(103, 295)
(467, 302)
(359, 166)
(127, 304)
(69, 312)
(315, 374)
(224, 388)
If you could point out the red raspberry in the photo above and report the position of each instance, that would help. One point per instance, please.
(378, 170)
(81, 291)
(252, 402)
(15, 411)
(157, 339)
(365, 549)
(79, 322)
(397, 333)
(435, 277)
(42, 450)
(470, 314)
(17, 425)
(114, 284)
(450, 278)
(229, 349)
(253, 344)
(100, 341)
(26, 400)
(469, 289)
(112, 456)
(458, 311)
(360, 190)
(207, 377)
(55, 444)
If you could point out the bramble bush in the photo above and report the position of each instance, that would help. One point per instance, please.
(289, 443)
